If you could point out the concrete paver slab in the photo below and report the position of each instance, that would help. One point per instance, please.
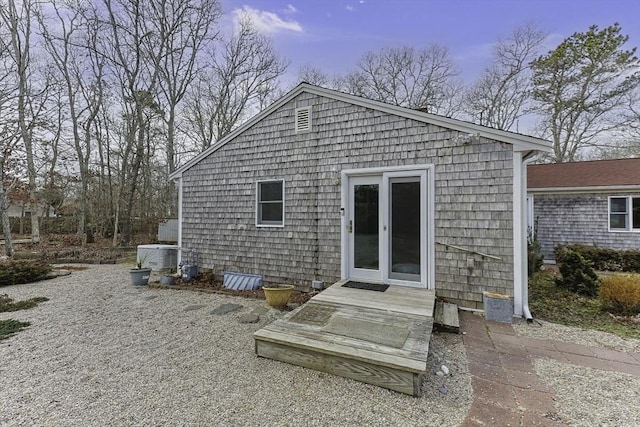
(507, 390)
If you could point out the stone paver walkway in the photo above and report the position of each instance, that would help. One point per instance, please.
(507, 391)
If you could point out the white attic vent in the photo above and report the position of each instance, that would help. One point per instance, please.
(303, 119)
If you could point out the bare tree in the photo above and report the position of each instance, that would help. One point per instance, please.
(243, 74)
(425, 79)
(8, 141)
(580, 88)
(72, 46)
(313, 75)
(499, 97)
(17, 19)
(9, 135)
(5, 189)
(185, 28)
(123, 45)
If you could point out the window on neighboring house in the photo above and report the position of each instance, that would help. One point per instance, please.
(624, 213)
(270, 203)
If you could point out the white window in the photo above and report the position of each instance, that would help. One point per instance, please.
(624, 213)
(270, 203)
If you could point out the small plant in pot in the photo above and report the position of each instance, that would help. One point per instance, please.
(140, 276)
(278, 295)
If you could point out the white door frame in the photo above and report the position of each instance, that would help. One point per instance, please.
(426, 174)
(362, 273)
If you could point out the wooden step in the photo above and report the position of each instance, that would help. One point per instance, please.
(446, 317)
(381, 347)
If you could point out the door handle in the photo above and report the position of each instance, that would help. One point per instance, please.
(350, 226)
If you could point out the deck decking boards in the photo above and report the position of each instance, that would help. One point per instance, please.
(346, 331)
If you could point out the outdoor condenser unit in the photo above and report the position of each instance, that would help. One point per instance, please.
(158, 257)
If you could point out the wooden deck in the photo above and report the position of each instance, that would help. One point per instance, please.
(380, 338)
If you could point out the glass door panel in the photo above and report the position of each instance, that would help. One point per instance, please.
(404, 229)
(366, 229)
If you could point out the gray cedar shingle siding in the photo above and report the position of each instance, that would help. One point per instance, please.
(578, 218)
(473, 196)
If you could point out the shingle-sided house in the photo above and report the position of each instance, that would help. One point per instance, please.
(325, 186)
(593, 203)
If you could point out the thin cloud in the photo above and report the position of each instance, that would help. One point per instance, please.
(350, 8)
(290, 9)
(266, 22)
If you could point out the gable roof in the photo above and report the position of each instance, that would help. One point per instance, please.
(522, 142)
(596, 173)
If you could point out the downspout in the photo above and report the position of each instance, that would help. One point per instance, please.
(528, 158)
(179, 258)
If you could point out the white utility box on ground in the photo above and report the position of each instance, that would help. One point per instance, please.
(158, 257)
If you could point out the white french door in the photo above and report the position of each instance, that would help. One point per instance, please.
(386, 225)
(364, 227)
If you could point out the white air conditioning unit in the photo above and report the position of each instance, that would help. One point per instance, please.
(158, 257)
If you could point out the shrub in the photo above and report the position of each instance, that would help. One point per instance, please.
(620, 294)
(16, 272)
(604, 259)
(578, 274)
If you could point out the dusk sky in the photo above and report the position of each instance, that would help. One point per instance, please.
(333, 34)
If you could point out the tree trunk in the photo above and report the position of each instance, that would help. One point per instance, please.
(6, 227)
(4, 212)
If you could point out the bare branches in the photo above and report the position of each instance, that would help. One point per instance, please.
(424, 79)
(500, 96)
(243, 72)
(184, 28)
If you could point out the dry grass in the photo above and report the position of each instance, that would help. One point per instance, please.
(555, 304)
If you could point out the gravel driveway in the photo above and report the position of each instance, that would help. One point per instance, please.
(102, 352)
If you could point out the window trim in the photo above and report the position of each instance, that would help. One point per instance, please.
(272, 224)
(628, 213)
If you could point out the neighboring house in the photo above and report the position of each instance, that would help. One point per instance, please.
(323, 185)
(18, 210)
(593, 203)
(19, 206)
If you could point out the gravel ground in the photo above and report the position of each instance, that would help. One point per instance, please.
(553, 331)
(586, 396)
(590, 397)
(102, 352)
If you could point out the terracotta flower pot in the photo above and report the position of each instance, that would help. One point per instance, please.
(278, 295)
